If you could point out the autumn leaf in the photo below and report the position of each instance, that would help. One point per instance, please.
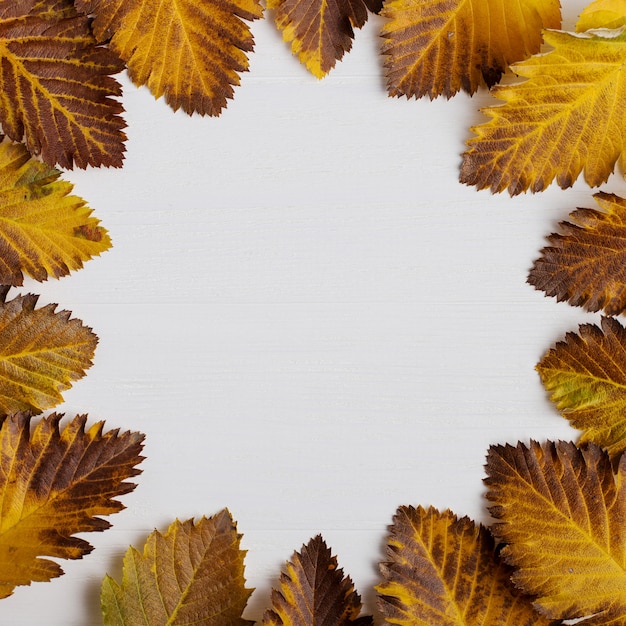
(561, 513)
(191, 52)
(586, 263)
(44, 231)
(56, 88)
(320, 31)
(586, 378)
(438, 47)
(443, 570)
(193, 574)
(602, 14)
(53, 484)
(569, 116)
(41, 354)
(314, 592)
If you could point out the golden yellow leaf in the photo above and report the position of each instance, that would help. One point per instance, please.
(320, 31)
(191, 52)
(44, 231)
(602, 14)
(41, 354)
(569, 116)
(438, 47)
(313, 591)
(56, 88)
(53, 484)
(586, 263)
(193, 574)
(561, 512)
(443, 570)
(586, 378)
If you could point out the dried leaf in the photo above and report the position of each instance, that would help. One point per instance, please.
(438, 47)
(320, 31)
(586, 263)
(43, 230)
(443, 570)
(41, 353)
(191, 52)
(602, 14)
(314, 592)
(56, 88)
(53, 484)
(193, 574)
(561, 511)
(569, 116)
(586, 377)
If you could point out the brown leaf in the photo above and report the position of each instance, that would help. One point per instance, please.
(314, 592)
(586, 264)
(53, 484)
(443, 570)
(561, 513)
(193, 574)
(56, 88)
(41, 354)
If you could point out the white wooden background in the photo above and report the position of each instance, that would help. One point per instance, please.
(309, 317)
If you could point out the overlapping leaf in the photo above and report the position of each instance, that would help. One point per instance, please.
(586, 377)
(569, 116)
(586, 263)
(443, 570)
(314, 592)
(41, 354)
(192, 574)
(44, 231)
(56, 88)
(561, 511)
(602, 14)
(191, 52)
(53, 484)
(438, 47)
(320, 31)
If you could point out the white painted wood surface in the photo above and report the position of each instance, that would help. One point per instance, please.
(309, 317)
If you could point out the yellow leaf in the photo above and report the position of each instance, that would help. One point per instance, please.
(53, 484)
(586, 377)
(602, 14)
(569, 116)
(586, 263)
(561, 513)
(56, 88)
(320, 31)
(41, 353)
(438, 47)
(314, 590)
(43, 230)
(443, 570)
(193, 574)
(191, 52)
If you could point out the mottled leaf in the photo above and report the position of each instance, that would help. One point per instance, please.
(56, 88)
(568, 117)
(44, 231)
(41, 354)
(561, 512)
(53, 484)
(191, 52)
(602, 14)
(320, 31)
(314, 592)
(192, 574)
(439, 47)
(586, 378)
(443, 570)
(585, 264)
